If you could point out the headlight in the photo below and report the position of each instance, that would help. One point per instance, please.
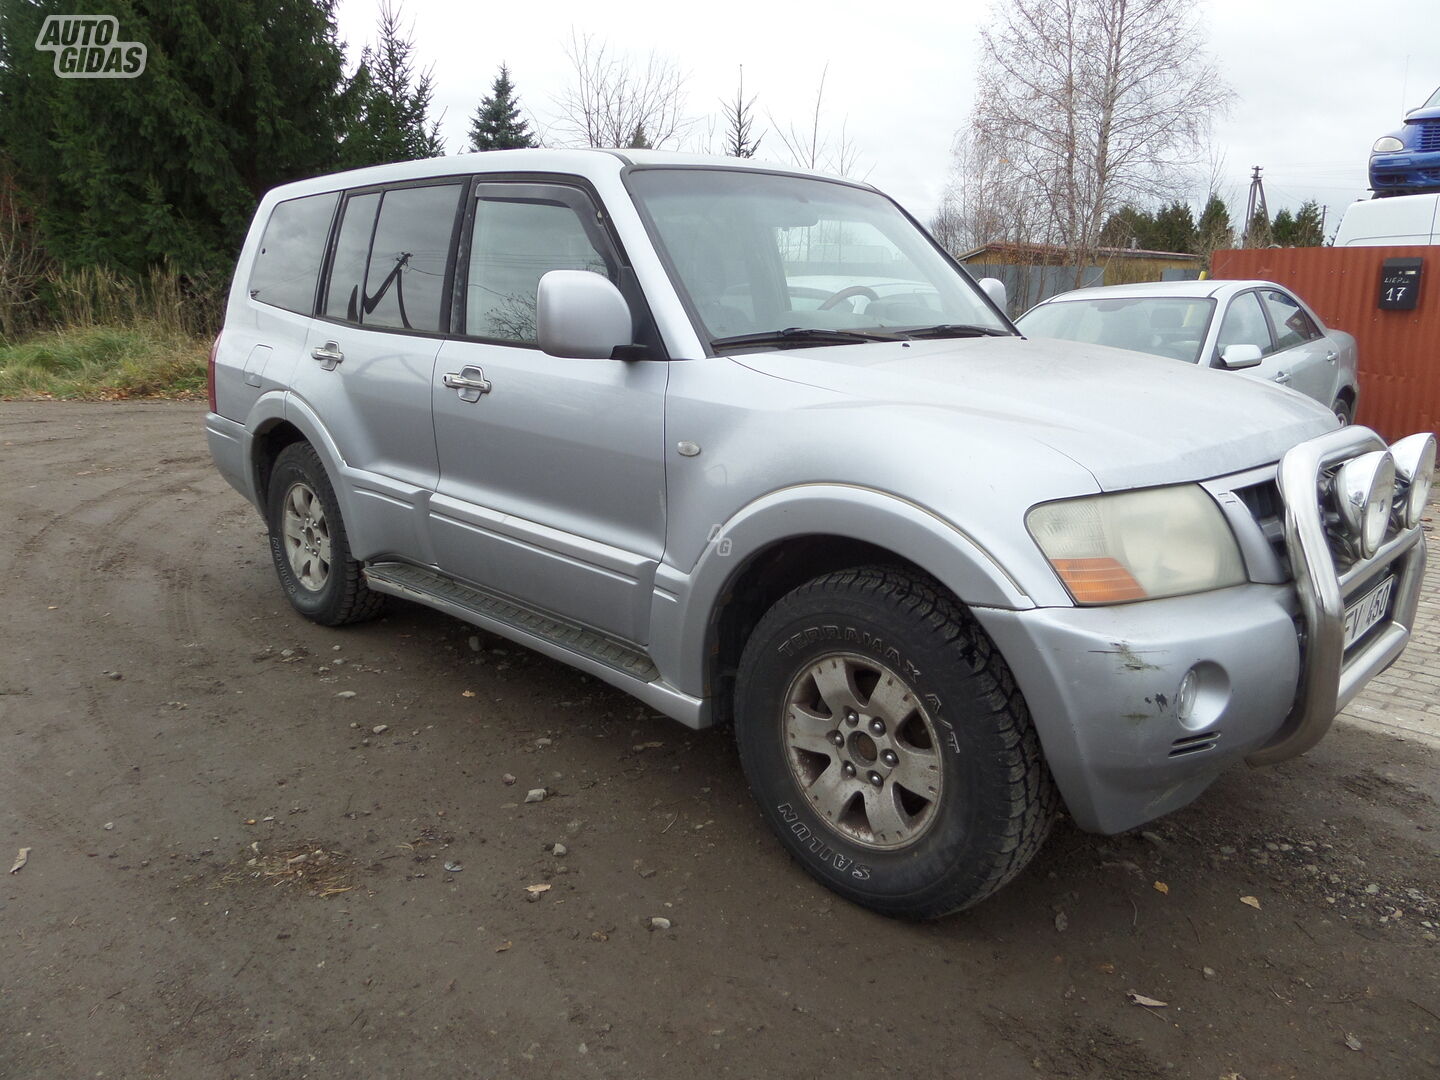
(1364, 487)
(1138, 545)
(1387, 145)
(1415, 465)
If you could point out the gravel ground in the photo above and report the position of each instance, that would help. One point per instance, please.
(260, 848)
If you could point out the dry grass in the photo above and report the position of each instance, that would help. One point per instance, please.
(311, 868)
(106, 363)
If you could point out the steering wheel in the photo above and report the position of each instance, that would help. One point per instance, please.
(846, 293)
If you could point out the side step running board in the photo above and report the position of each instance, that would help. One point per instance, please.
(484, 608)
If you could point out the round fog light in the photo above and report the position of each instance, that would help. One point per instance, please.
(1364, 488)
(1185, 699)
(1415, 466)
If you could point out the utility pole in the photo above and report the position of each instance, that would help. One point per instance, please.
(1256, 201)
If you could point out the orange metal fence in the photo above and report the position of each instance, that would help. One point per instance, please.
(1399, 351)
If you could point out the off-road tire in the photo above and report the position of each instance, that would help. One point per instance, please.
(997, 800)
(343, 597)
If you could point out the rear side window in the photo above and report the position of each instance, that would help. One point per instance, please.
(352, 251)
(1292, 325)
(405, 285)
(515, 242)
(291, 251)
(389, 270)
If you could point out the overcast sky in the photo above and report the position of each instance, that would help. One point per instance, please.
(1317, 81)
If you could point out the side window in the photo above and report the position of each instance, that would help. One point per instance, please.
(1292, 325)
(405, 285)
(352, 250)
(389, 271)
(291, 251)
(515, 242)
(1245, 325)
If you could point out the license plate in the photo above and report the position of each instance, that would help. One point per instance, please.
(1367, 611)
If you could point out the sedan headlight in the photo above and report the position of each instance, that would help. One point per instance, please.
(1364, 488)
(1388, 144)
(1138, 545)
(1415, 465)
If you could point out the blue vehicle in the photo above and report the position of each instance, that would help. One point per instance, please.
(1407, 162)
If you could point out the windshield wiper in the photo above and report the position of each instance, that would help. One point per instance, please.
(944, 330)
(801, 336)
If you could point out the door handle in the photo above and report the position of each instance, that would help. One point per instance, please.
(470, 381)
(1332, 356)
(328, 354)
(1282, 378)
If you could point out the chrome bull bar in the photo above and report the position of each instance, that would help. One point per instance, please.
(1329, 680)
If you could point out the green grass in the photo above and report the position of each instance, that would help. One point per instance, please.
(105, 363)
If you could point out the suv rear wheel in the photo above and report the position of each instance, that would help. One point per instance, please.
(888, 746)
(309, 545)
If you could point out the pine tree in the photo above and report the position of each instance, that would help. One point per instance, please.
(168, 166)
(1258, 233)
(1215, 231)
(1129, 227)
(1283, 230)
(497, 123)
(393, 101)
(1309, 225)
(740, 120)
(638, 141)
(1175, 228)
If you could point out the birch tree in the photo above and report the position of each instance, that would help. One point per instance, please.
(614, 97)
(1097, 103)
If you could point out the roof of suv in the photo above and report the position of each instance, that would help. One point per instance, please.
(581, 162)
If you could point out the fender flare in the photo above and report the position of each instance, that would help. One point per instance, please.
(685, 624)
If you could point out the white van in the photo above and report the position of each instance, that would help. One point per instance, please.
(1391, 222)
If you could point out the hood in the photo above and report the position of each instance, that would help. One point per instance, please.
(1423, 114)
(1132, 420)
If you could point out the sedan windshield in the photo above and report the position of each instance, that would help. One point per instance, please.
(774, 261)
(1172, 326)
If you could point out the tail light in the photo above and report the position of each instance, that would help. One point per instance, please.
(210, 373)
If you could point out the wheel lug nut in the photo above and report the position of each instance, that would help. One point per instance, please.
(876, 779)
(851, 718)
(837, 738)
(848, 769)
(889, 757)
(877, 726)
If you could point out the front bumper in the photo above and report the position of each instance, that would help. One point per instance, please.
(1404, 170)
(1102, 684)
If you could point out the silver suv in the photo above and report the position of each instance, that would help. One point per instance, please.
(745, 443)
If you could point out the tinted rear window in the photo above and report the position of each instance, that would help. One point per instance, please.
(291, 251)
(405, 285)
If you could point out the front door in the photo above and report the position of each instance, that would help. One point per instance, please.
(552, 484)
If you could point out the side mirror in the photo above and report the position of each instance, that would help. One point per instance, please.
(994, 288)
(1236, 357)
(581, 315)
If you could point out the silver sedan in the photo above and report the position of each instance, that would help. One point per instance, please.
(1257, 327)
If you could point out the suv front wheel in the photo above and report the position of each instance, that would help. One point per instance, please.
(888, 745)
(309, 544)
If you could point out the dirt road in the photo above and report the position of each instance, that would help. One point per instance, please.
(176, 746)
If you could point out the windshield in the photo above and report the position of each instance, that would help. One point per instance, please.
(756, 254)
(1433, 101)
(1172, 326)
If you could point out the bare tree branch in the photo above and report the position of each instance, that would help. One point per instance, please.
(615, 98)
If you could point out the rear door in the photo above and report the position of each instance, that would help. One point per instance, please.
(371, 353)
(1308, 360)
(552, 482)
